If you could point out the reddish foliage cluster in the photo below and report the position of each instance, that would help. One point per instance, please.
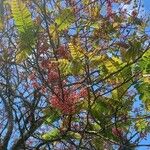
(53, 75)
(42, 45)
(62, 52)
(43, 89)
(44, 64)
(52, 70)
(34, 82)
(66, 101)
(62, 98)
(83, 92)
(117, 132)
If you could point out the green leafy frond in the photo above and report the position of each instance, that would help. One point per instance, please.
(21, 16)
(96, 60)
(64, 66)
(24, 24)
(72, 67)
(65, 18)
(76, 51)
(51, 135)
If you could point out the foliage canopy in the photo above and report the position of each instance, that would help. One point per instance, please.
(74, 74)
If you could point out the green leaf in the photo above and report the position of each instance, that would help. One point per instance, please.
(53, 31)
(96, 25)
(144, 64)
(51, 135)
(98, 144)
(74, 135)
(21, 16)
(76, 68)
(64, 66)
(134, 50)
(113, 64)
(96, 60)
(73, 67)
(99, 109)
(24, 24)
(95, 127)
(51, 115)
(141, 125)
(21, 56)
(143, 90)
(65, 19)
(76, 51)
(52, 118)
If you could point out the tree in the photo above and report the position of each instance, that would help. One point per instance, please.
(73, 74)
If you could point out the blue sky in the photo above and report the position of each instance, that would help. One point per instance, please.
(147, 5)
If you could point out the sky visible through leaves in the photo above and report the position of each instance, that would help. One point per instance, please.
(146, 11)
(90, 86)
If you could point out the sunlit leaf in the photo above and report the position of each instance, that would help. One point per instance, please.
(65, 19)
(51, 134)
